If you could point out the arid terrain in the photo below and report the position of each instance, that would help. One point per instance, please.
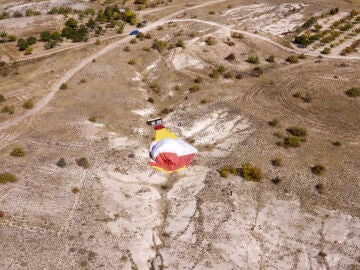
(273, 86)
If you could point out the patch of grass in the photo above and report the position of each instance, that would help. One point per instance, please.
(270, 59)
(210, 40)
(194, 88)
(297, 131)
(61, 163)
(253, 60)
(92, 119)
(353, 92)
(198, 79)
(28, 104)
(8, 109)
(83, 162)
(225, 171)
(274, 122)
(277, 162)
(17, 152)
(319, 188)
(251, 172)
(7, 177)
(292, 59)
(63, 86)
(318, 169)
(276, 180)
(132, 62)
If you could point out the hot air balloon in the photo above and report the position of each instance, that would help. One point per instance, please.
(168, 153)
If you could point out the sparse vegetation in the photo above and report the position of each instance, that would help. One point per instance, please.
(6, 177)
(132, 62)
(92, 119)
(270, 59)
(353, 92)
(210, 40)
(318, 169)
(159, 45)
(61, 163)
(8, 109)
(251, 172)
(17, 152)
(83, 162)
(326, 50)
(75, 190)
(296, 131)
(2, 98)
(63, 86)
(276, 180)
(198, 79)
(277, 162)
(292, 141)
(227, 170)
(230, 57)
(28, 104)
(292, 59)
(274, 122)
(256, 72)
(82, 81)
(194, 88)
(253, 60)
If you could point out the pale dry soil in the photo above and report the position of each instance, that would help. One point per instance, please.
(128, 216)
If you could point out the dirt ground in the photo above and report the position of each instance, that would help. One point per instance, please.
(121, 214)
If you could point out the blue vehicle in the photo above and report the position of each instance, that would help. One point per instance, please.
(135, 32)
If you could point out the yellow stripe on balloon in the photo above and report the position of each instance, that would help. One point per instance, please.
(164, 133)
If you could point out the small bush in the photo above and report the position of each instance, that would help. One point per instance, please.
(177, 88)
(133, 41)
(82, 81)
(180, 44)
(302, 56)
(274, 122)
(204, 101)
(256, 72)
(28, 51)
(61, 163)
(225, 171)
(237, 35)
(97, 42)
(297, 94)
(7, 177)
(228, 75)
(1, 214)
(221, 69)
(28, 104)
(292, 59)
(214, 74)
(198, 79)
(277, 162)
(2, 98)
(75, 190)
(296, 131)
(230, 57)
(132, 62)
(353, 92)
(337, 143)
(318, 169)
(210, 40)
(238, 76)
(92, 119)
(326, 50)
(17, 152)
(8, 109)
(276, 180)
(253, 60)
(292, 141)
(151, 100)
(211, 12)
(159, 45)
(251, 172)
(307, 98)
(83, 162)
(320, 189)
(194, 88)
(63, 86)
(126, 48)
(270, 59)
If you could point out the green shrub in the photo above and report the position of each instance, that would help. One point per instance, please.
(159, 45)
(75, 190)
(253, 60)
(7, 177)
(225, 171)
(292, 141)
(297, 94)
(221, 69)
(194, 88)
(132, 62)
(180, 43)
(236, 35)
(17, 152)
(274, 122)
(92, 119)
(28, 51)
(8, 109)
(210, 40)
(214, 74)
(277, 162)
(177, 88)
(22, 44)
(292, 59)
(251, 172)
(228, 75)
(318, 169)
(61, 163)
(63, 86)
(326, 50)
(2, 98)
(198, 79)
(270, 59)
(230, 57)
(353, 92)
(296, 131)
(28, 104)
(126, 48)
(83, 162)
